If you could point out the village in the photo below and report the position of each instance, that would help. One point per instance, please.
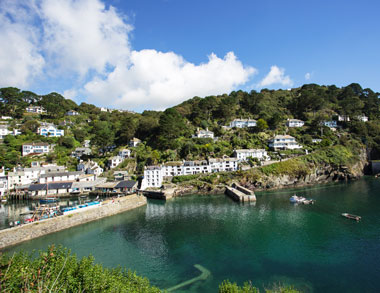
(43, 179)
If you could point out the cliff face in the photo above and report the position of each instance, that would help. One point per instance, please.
(318, 174)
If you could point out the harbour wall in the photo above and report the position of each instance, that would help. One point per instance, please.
(29, 231)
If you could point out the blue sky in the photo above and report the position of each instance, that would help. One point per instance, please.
(152, 54)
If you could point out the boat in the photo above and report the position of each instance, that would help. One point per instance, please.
(301, 199)
(80, 207)
(352, 217)
(48, 200)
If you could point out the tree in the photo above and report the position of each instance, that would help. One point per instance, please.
(261, 125)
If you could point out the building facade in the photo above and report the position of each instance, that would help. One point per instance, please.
(295, 123)
(284, 142)
(244, 154)
(242, 123)
(35, 148)
(50, 130)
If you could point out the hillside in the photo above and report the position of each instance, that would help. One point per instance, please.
(167, 135)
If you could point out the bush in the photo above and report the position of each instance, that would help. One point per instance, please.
(58, 270)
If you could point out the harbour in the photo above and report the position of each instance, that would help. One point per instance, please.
(309, 246)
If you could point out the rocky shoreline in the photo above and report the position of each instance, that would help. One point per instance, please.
(318, 175)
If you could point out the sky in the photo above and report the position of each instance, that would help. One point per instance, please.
(153, 54)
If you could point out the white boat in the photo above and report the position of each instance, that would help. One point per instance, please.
(301, 199)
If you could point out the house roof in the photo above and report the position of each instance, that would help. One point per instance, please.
(36, 144)
(249, 150)
(61, 174)
(83, 184)
(107, 185)
(126, 184)
(57, 185)
(283, 136)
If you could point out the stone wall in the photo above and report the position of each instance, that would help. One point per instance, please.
(26, 232)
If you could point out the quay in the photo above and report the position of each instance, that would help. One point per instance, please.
(25, 232)
(240, 193)
(164, 195)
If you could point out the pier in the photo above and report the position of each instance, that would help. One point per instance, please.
(155, 194)
(29, 231)
(240, 193)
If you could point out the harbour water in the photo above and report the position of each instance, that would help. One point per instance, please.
(311, 247)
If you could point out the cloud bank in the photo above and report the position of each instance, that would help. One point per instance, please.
(84, 46)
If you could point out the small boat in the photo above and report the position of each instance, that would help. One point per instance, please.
(352, 217)
(48, 200)
(301, 199)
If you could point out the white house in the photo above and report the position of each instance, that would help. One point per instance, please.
(295, 123)
(242, 123)
(284, 142)
(134, 142)
(331, 124)
(86, 143)
(6, 118)
(35, 109)
(196, 167)
(3, 182)
(72, 113)
(204, 134)
(223, 164)
(59, 177)
(124, 153)
(24, 176)
(170, 169)
(152, 177)
(115, 161)
(50, 130)
(35, 148)
(4, 131)
(316, 140)
(244, 154)
(343, 118)
(362, 118)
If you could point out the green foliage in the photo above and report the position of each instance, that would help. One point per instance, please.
(229, 287)
(58, 270)
(179, 179)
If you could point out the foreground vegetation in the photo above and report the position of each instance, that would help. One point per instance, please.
(57, 270)
(229, 287)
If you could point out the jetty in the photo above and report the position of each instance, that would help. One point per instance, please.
(25, 232)
(159, 194)
(240, 193)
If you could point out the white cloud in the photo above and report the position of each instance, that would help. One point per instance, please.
(276, 75)
(83, 35)
(308, 76)
(20, 59)
(83, 46)
(157, 80)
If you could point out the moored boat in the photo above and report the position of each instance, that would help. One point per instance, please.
(301, 199)
(48, 200)
(352, 217)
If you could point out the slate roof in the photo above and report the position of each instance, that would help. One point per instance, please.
(126, 184)
(58, 185)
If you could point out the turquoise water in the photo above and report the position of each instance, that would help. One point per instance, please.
(311, 247)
